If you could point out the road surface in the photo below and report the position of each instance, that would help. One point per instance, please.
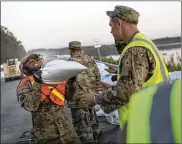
(15, 121)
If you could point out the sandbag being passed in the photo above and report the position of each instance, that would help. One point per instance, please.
(105, 76)
(57, 71)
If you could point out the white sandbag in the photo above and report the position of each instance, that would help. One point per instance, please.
(107, 79)
(105, 76)
(97, 108)
(112, 118)
(100, 112)
(57, 71)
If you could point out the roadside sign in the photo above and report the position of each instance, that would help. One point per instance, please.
(97, 43)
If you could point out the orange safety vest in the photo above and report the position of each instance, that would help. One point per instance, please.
(54, 91)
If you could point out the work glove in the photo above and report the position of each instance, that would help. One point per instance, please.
(38, 76)
(73, 78)
(114, 78)
(72, 83)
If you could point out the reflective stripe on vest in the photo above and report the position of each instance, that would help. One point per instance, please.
(53, 91)
(155, 115)
(58, 94)
(160, 73)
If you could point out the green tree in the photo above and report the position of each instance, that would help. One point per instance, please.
(10, 46)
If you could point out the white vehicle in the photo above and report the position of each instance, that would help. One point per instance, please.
(11, 69)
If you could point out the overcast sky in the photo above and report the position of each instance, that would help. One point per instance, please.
(54, 24)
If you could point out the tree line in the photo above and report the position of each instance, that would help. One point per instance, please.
(106, 50)
(11, 47)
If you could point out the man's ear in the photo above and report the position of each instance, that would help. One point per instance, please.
(118, 22)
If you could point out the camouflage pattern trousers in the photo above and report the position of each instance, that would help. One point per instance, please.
(86, 124)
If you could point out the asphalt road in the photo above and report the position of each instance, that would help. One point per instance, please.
(15, 121)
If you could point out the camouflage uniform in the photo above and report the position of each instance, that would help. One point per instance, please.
(50, 124)
(84, 118)
(137, 66)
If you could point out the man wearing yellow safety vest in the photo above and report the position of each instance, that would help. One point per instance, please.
(140, 64)
(154, 114)
(46, 104)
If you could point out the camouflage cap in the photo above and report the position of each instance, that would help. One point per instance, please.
(125, 13)
(27, 58)
(75, 45)
(31, 56)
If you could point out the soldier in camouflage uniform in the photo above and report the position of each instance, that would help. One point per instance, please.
(50, 123)
(84, 118)
(137, 63)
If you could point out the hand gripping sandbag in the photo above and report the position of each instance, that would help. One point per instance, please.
(58, 71)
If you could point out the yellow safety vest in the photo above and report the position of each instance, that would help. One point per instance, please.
(160, 72)
(154, 114)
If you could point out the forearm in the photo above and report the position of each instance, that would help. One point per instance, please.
(107, 101)
(114, 98)
(118, 96)
(133, 74)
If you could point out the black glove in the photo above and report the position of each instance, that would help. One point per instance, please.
(38, 76)
(114, 78)
(73, 79)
